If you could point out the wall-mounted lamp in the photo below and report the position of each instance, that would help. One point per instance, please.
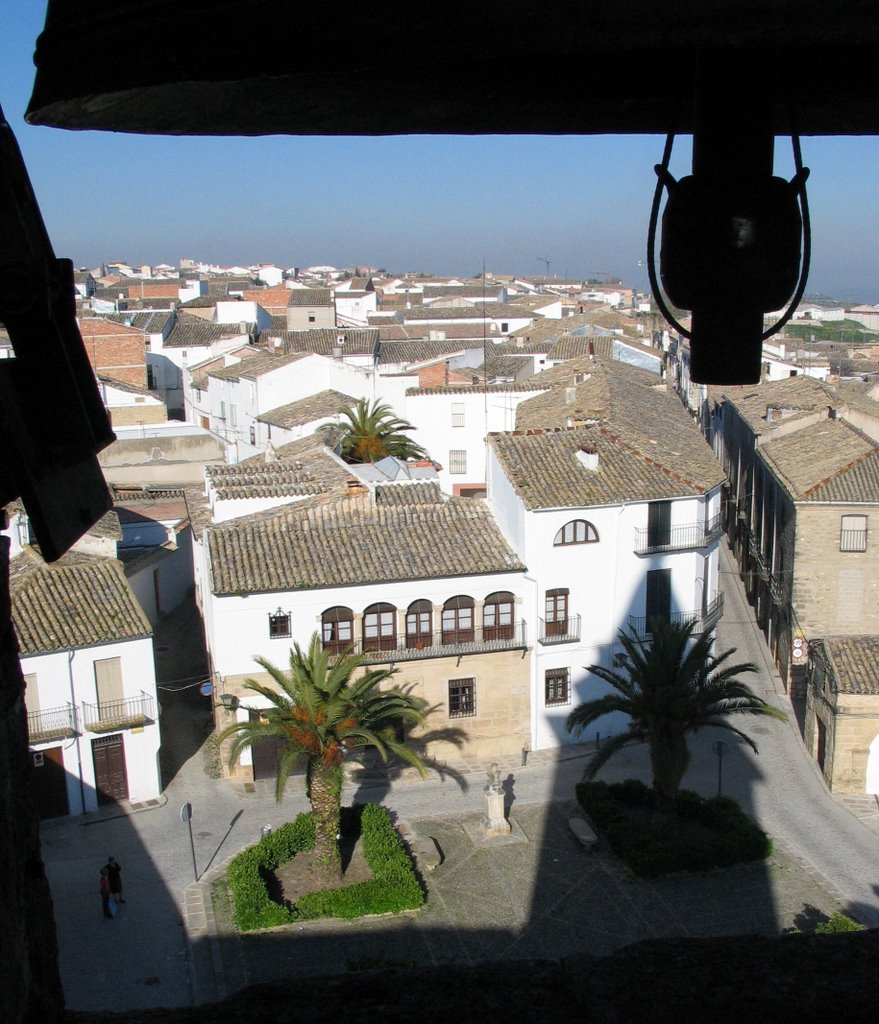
(229, 701)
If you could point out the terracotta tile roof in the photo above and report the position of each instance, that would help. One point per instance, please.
(317, 473)
(792, 396)
(491, 310)
(570, 346)
(191, 331)
(469, 389)
(78, 601)
(259, 363)
(508, 367)
(120, 385)
(322, 405)
(627, 399)
(412, 352)
(394, 331)
(322, 341)
(152, 321)
(353, 540)
(826, 461)
(854, 662)
(544, 469)
(310, 297)
(405, 494)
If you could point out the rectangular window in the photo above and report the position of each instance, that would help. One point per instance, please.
(222, 410)
(253, 435)
(31, 693)
(557, 682)
(233, 416)
(658, 594)
(556, 611)
(462, 698)
(279, 624)
(853, 533)
(311, 318)
(457, 461)
(457, 414)
(108, 682)
(659, 524)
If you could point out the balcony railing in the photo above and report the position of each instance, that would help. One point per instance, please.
(679, 538)
(51, 724)
(118, 714)
(704, 620)
(559, 631)
(441, 644)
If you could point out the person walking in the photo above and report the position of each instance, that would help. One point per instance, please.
(105, 893)
(114, 874)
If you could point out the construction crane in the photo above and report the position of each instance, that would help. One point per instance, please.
(547, 261)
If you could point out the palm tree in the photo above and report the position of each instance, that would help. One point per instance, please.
(371, 432)
(319, 712)
(669, 688)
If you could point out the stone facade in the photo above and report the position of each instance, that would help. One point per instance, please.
(499, 725)
(835, 591)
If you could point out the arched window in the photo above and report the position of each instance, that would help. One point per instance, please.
(337, 628)
(419, 625)
(497, 616)
(380, 627)
(577, 531)
(458, 620)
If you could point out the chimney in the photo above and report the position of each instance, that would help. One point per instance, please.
(355, 486)
(588, 458)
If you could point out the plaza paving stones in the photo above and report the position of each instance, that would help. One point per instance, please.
(545, 899)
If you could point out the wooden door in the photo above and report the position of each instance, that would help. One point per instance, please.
(111, 780)
(49, 782)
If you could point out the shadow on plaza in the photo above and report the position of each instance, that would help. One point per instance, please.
(545, 897)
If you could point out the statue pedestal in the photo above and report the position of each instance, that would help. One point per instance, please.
(495, 822)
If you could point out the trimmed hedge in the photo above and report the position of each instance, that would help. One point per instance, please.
(393, 888)
(729, 837)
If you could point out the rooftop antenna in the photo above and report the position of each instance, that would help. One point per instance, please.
(547, 261)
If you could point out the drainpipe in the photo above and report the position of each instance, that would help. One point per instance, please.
(535, 689)
(70, 656)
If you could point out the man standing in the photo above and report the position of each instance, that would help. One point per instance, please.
(114, 874)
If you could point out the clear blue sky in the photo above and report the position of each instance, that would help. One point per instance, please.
(438, 204)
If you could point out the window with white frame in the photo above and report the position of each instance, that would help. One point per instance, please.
(233, 416)
(457, 414)
(462, 698)
(557, 687)
(853, 533)
(457, 461)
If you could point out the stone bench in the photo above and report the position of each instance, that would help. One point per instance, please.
(584, 834)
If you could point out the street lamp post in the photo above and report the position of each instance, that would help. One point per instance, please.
(719, 748)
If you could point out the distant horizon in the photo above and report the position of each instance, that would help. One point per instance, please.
(448, 204)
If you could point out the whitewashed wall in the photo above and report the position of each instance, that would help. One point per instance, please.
(69, 678)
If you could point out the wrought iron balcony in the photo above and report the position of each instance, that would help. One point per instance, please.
(51, 724)
(704, 620)
(442, 644)
(758, 558)
(678, 538)
(118, 714)
(559, 631)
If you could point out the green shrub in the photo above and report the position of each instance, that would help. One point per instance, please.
(393, 888)
(838, 923)
(726, 836)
